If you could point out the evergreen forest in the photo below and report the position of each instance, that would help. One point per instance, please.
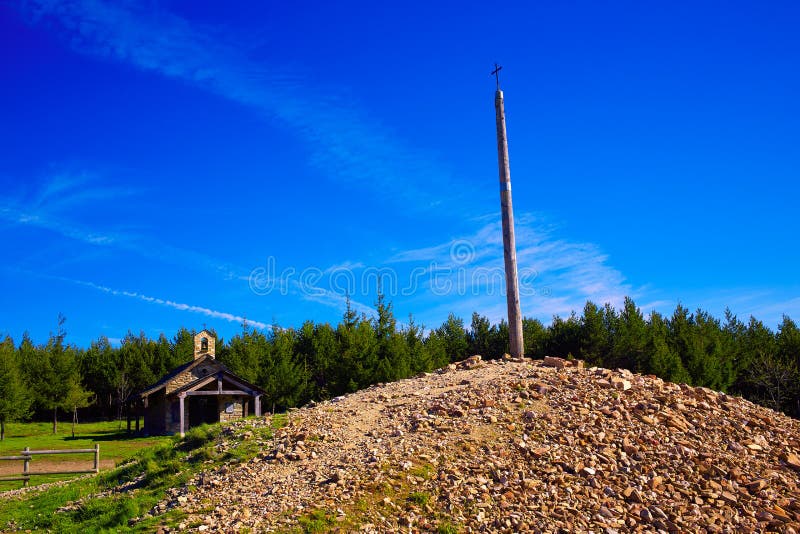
(60, 381)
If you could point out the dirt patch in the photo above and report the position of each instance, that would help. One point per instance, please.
(41, 465)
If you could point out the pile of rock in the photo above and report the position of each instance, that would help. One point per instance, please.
(516, 446)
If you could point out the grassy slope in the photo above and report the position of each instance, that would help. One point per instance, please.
(150, 473)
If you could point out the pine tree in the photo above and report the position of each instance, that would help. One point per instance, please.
(454, 337)
(135, 364)
(564, 337)
(479, 336)
(359, 352)
(98, 369)
(57, 374)
(709, 365)
(499, 340)
(733, 336)
(326, 354)
(350, 318)
(630, 340)
(437, 349)
(595, 337)
(283, 377)
(662, 360)
(76, 397)
(182, 346)
(681, 335)
(14, 400)
(419, 357)
(392, 351)
(53, 373)
(244, 353)
(162, 356)
(534, 335)
(755, 343)
(788, 341)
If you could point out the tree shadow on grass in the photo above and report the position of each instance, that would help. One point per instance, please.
(111, 435)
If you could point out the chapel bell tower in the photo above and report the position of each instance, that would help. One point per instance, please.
(204, 344)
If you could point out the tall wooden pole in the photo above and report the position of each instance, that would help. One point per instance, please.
(509, 244)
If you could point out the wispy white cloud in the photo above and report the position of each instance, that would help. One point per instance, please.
(557, 275)
(344, 266)
(774, 310)
(333, 299)
(208, 312)
(345, 143)
(311, 284)
(88, 195)
(46, 221)
(63, 191)
(424, 254)
(225, 316)
(39, 209)
(58, 185)
(50, 206)
(464, 274)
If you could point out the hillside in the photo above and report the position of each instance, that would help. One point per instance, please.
(514, 446)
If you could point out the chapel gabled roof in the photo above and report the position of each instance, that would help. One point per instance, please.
(166, 379)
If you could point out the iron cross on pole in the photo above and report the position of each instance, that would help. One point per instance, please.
(496, 74)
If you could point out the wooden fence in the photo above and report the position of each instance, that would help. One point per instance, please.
(27, 454)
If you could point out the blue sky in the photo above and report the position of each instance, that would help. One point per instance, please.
(169, 163)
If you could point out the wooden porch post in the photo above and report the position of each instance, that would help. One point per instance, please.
(181, 398)
(258, 405)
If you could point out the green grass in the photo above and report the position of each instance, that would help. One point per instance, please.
(420, 498)
(316, 521)
(115, 445)
(423, 471)
(150, 472)
(446, 527)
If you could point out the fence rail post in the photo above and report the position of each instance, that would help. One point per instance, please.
(26, 466)
(96, 457)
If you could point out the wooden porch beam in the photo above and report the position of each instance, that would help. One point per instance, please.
(220, 392)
